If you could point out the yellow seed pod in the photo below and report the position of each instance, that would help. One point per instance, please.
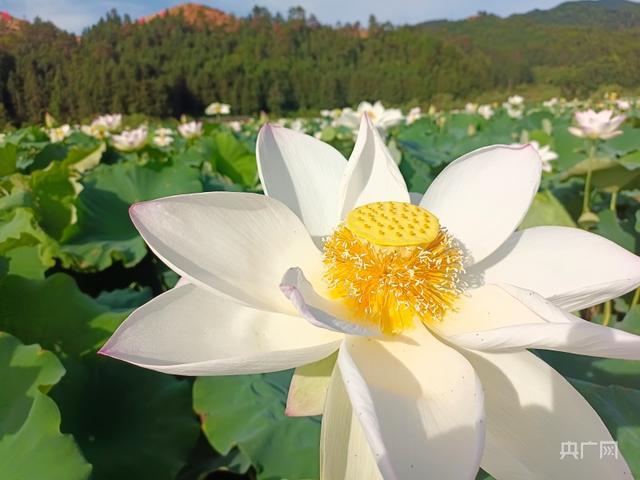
(394, 224)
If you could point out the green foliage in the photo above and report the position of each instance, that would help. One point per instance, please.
(103, 231)
(8, 159)
(619, 408)
(126, 419)
(232, 158)
(77, 325)
(31, 445)
(176, 64)
(225, 404)
(546, 209)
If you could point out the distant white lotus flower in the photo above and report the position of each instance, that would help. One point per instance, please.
(109, 123)
(597, 125)
(131, 140)
(93, 131)
(191, 129)
(217, 108)
(515, 100)
(414, 114)
(235, 125)
(58, 134)
(513, 111)
(623, 104)
(552, 102)
(297, 125)
(431, 307)
(163, 137)
(546, 154)
(471, 107)
(333, 113)
(163, 131)
(381, 117)
(3, 137)
(102, 126)
(485, 111)
(348, 118)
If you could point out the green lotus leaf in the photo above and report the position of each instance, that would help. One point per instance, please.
(129, 422)
(247, 412)
(103, 232)
(31, 445)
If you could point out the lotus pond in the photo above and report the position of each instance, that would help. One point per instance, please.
(72, 267)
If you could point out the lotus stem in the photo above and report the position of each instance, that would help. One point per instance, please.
(587, 192)
(587, 182)
(606, 314)
(635, 299)
(614, 201)
(606, 318)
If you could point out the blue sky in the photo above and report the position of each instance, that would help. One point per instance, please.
(74, 15)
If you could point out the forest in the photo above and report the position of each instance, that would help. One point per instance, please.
(173, 64)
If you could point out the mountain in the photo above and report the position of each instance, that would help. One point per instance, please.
(615, 14)
(195, 14)
(612, 14)
(9, 23)
(588, 13)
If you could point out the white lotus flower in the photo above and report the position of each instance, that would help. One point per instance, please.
(515, 100)
(348, 118)
(190, 130)
(296, 124)
(109, 123)
(235, 125)
(217, 108)
(623, 104)
(381, 117)
(163, 137)
(326, 113)
(58, 134)
(93, 131)
(3, 136)
(546, 154)
(449, 386)
(552, 102)
(414, 114)
(131, 140)
(597, 125)
(334, 113)
(164, 131)
(471, 107)
(485, 111)
(513, 111)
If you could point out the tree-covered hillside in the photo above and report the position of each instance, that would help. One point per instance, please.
(603, 13)
(177, 62)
